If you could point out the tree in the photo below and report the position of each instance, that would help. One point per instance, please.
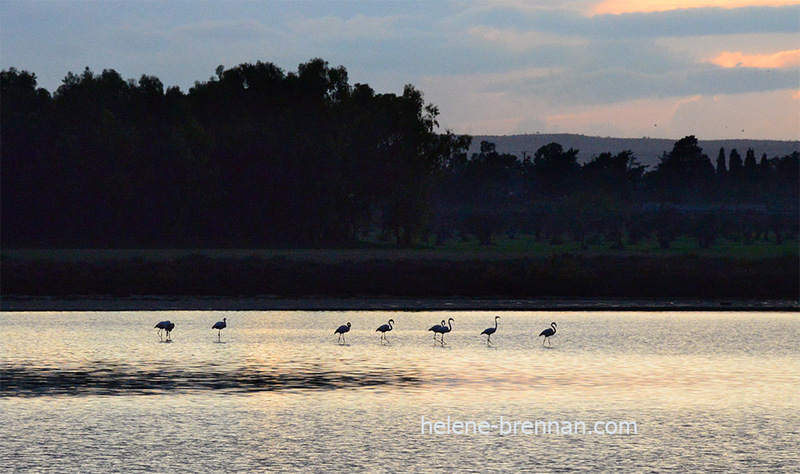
(412, 157)
(750, 161)
(721, 162)
(685, 171)
(608, 183)
(735, 164)
(487, 191)
(26, 131)
(553, 167)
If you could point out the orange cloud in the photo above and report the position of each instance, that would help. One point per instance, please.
(616, 7)
(770, 61)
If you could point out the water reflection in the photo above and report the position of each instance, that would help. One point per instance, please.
(115, 379)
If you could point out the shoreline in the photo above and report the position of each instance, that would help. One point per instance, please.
(557, 283)
(20, 303)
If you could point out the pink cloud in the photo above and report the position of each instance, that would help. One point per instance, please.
(616, 7)
(780, 59)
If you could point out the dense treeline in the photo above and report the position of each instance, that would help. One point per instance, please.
(258, 157)
(612, 198)
(252, 157)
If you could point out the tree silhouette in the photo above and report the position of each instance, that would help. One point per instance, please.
(735, 163)
(256, 156)
(553, 168)
(685, 170)
(721, 169)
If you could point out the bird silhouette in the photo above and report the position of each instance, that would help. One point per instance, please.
(219, 326)
(445, 329)
(383, 329)
(341, 330)
(548, 332)
(161, 326)
(437, 329)
(490, 331)
(168, 328)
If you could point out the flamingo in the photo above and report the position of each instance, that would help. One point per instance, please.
(168, 328)
(161, 326)
(445, 329)
(383, 328)
(436, 328)
(341, 330)
(548, 332)
(490, 331)
(219, 326)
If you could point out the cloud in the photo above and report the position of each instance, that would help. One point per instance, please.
(777, 60)
(501, 66)
(515, 40)
(696, 22)
(616, 7)
(359, 27)
(618, 84)
(236, 30)
(743, 80)
(675, 23)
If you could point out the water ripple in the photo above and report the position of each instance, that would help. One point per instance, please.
(95, 379)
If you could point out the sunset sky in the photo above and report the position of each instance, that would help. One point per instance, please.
(624, 68)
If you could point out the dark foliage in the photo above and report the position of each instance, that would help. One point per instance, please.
(253, 157)
(258, 157)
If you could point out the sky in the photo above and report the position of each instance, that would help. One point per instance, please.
(622, 68)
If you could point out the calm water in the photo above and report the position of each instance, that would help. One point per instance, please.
(98, 392)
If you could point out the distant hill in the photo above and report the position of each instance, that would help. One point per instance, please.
(647, 150)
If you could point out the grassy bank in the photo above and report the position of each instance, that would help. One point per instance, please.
(404, 275)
